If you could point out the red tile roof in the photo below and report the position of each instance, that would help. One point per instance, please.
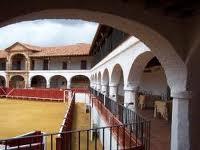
(31, 47)
(69, 50)
(80, 49)
(3, 54)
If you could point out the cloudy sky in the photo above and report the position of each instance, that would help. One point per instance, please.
(48, 32)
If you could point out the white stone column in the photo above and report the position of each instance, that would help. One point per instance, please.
(130, 93)
(113, 91)
(48, 85)
(48, 82)
(180, 121)
(104, 88)
(69, 84)
(92, 84)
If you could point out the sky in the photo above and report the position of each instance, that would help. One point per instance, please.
(48, 32)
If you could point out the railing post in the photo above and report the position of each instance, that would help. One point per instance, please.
(142, 132)
(58, 143)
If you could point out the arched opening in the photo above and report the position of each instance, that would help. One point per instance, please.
(105, 82)
(2, 81)
(38, 82)
(99, 81)
(80, 81)
(117, 81)
(153, 80)
(17, 82)
(153, 95)
(18, 62)
(58, 81)
(99, 77)
(95, 80)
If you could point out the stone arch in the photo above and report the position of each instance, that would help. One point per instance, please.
(2, 81)
(137, 67)
(80, 81)
(105, 77)
(117, 84)
(92, 78)
(18, 61)
(38, 81)
(17, 81)
(99, 77)
(116, 74)
(58, 81)
(95, 77)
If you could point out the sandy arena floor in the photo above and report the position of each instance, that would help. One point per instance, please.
(21, 116)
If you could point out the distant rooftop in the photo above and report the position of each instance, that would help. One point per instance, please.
(79, 49)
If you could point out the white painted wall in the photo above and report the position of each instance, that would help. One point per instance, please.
(57, 62)
(82, 98)
(154, 81)
(97, 119)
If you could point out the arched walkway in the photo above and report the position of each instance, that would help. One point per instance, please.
(38, 81)
(117, 84)
(58, 81)
(99, 81)
(17, 82)
(148, 82)
(80, 81)
(105, 82)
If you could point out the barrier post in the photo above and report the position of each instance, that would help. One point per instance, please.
(58, 143)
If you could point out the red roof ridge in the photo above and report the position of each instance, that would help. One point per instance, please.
(78, 49)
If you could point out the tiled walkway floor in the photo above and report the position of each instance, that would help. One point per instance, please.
(160, 131)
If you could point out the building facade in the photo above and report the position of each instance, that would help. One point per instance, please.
(26, 66)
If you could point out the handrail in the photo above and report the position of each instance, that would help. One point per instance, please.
(125, 115)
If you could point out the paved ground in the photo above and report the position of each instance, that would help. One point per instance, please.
(160, 131)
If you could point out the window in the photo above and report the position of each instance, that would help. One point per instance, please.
(46, 64)
(64, 66)
(32, 64)
(83, 64)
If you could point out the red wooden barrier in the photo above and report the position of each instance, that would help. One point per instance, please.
(66, 126)
(23, 142)
(40, 94)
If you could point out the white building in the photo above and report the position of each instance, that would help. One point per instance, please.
(25, 66)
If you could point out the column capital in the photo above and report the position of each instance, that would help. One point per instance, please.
(184, 95)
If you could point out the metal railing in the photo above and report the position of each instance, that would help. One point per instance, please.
(88, 139)
(127, 116)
